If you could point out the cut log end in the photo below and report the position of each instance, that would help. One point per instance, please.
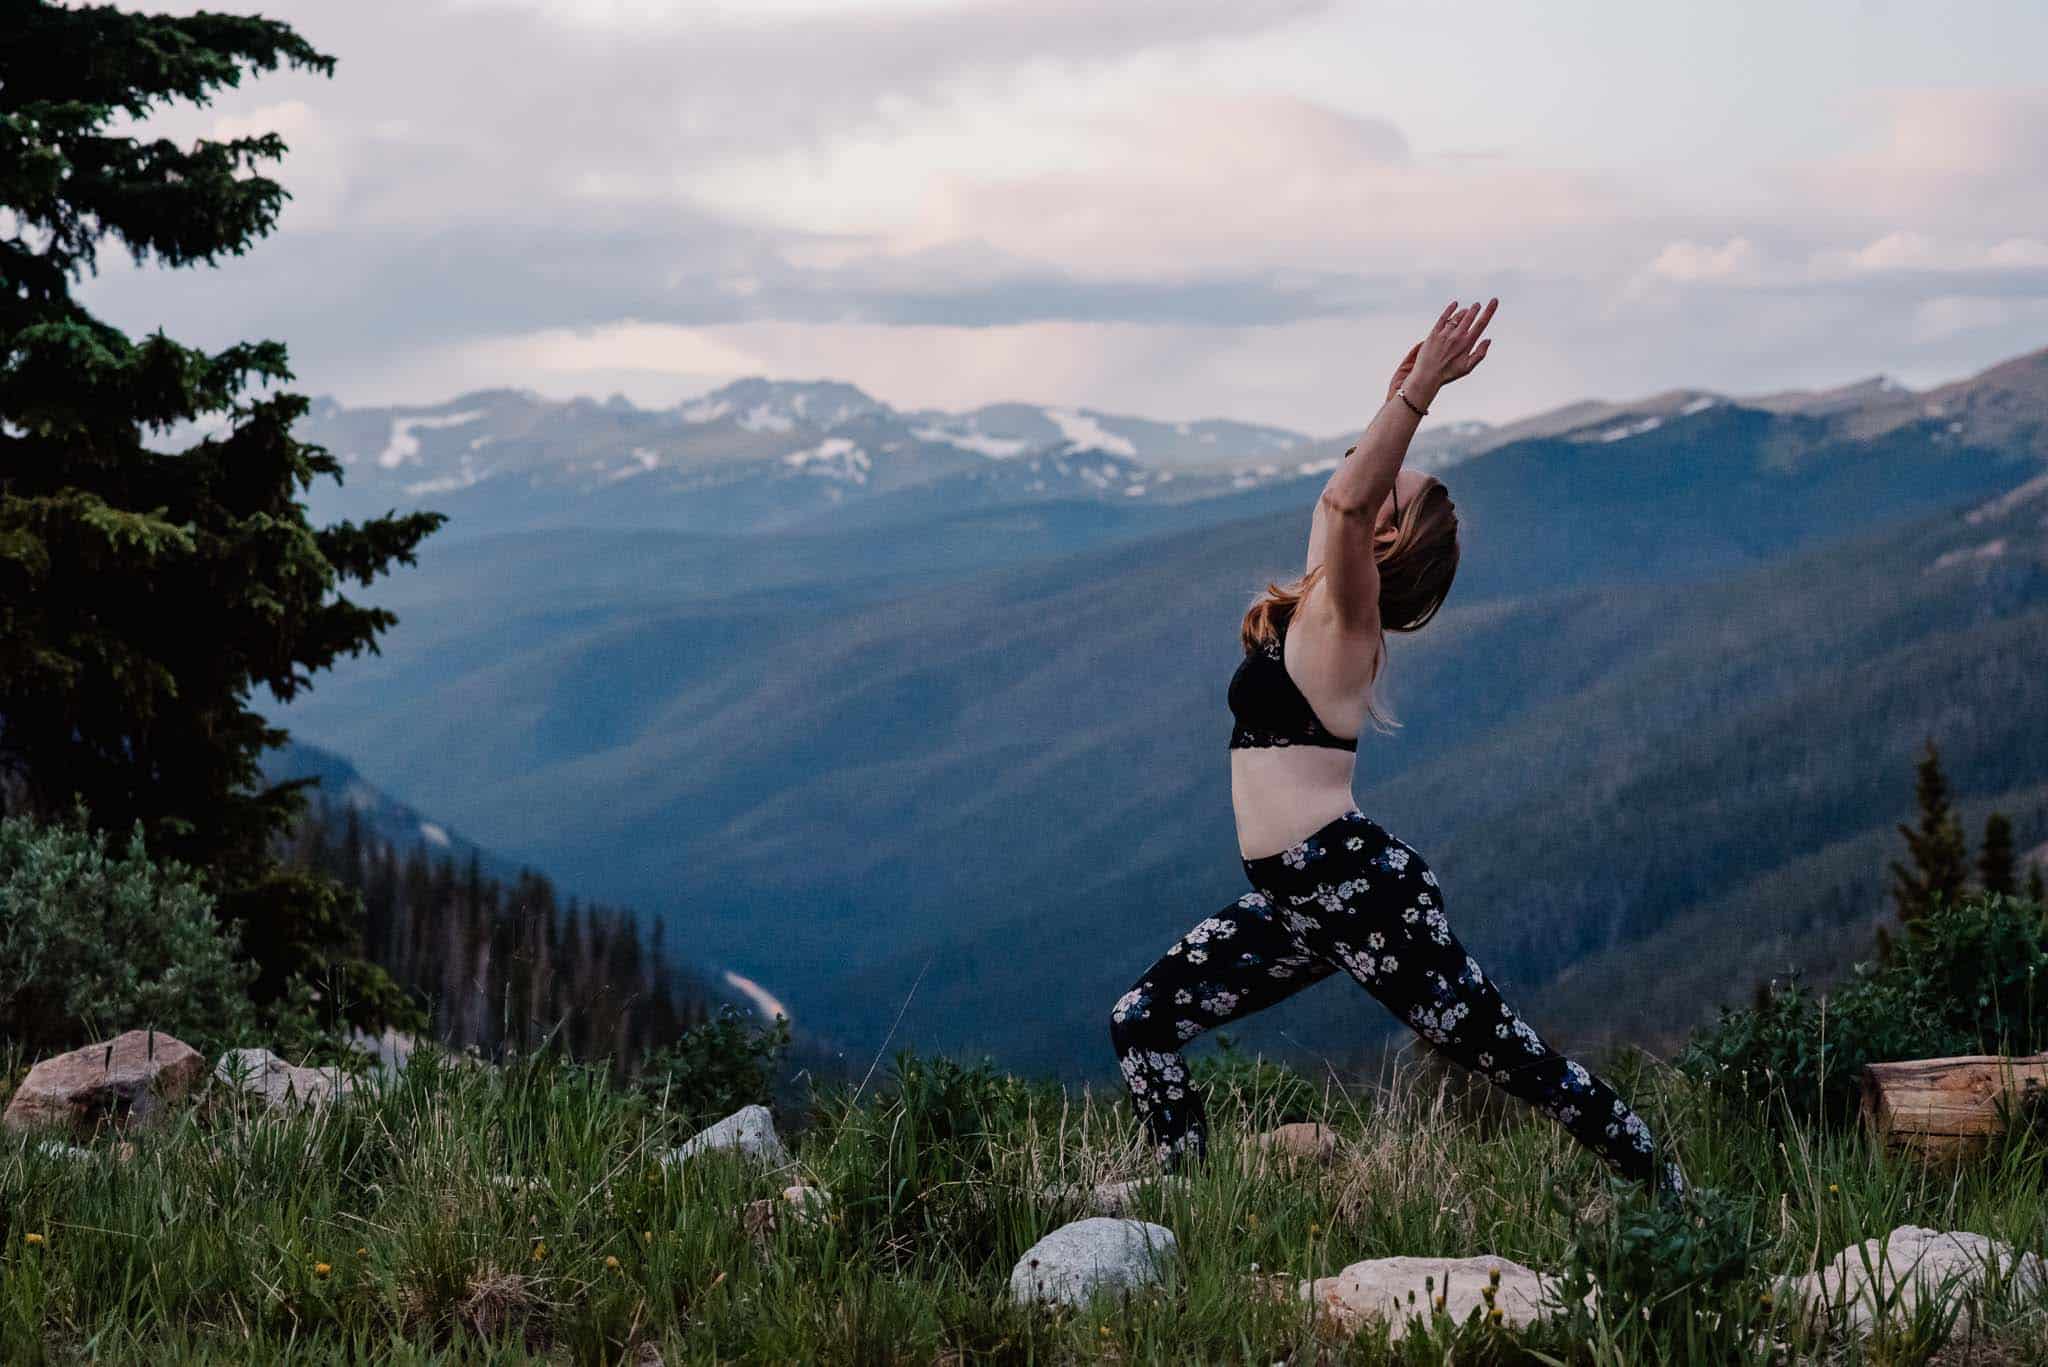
(1949, 1107)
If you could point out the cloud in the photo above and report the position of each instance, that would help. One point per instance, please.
(1687, 262)
(1067, 201)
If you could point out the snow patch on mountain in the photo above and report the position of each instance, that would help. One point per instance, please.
(1086, 434)
(763, 418)
(404, 446)
(1623, 431)
(1699, 405)
(704, 410)
(995, 448)
(832, 458)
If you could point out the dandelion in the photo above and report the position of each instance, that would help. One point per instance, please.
(1493, 1276)
(362, 1253)
(539, 1251)
(612, 1263)
(1493, 1316)
(32, 1240)
(1105, 1331)
(646, 1236)
(1833, 1189)
(321, 1269)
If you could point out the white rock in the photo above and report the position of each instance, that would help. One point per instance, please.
(261, 1073)
(1378, 1288)
(389, 1050)
(1893, 1274)
(1077, 1260)
(1114, 1198)
(750, 1131)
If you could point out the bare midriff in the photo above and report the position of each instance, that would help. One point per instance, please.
(1284, 793)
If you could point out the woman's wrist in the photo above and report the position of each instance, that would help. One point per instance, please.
(1422, 391)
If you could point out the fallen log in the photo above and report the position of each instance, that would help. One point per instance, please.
(1949, 1107)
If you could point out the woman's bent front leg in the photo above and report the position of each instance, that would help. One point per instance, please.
(1236, 962)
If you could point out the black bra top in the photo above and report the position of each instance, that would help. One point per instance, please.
(1270, 709)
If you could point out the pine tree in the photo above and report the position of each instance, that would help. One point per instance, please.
(1939, 857)
(144, 594)
(1994, 860)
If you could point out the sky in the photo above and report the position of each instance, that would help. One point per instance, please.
(1211, 208)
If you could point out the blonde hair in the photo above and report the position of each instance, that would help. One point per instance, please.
(1417, 556)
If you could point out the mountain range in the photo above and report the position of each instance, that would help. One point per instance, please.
(944, 720)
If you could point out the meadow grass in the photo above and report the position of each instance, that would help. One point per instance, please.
(522, 1214)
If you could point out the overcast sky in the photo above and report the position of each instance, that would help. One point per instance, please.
(1219, 208)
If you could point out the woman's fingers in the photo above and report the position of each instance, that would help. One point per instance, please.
(1476, 324)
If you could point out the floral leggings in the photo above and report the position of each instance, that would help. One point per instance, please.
(1351, 896)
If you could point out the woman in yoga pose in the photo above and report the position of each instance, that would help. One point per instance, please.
(1331, 888)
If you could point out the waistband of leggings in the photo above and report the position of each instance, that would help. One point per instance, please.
(1299, 860)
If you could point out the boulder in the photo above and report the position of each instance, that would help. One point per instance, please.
(750, 1132)
(1379, 1288)
(1893, 1274)
(260, 1073)
(1077, 1260)
(128, 1081)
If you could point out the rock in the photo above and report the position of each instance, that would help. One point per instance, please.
(260, 1073)
(1302, 1142)
(1114, 1198)
(750, 1131)
(1909, 1264)
(130, 1080)
(389, 1051)
(810, 1204)
(1378, 1288)
(1077, 1260)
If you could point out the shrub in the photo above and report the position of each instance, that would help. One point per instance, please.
(93, 943)
(715, 1068)
(1666, 1272)
(1968, 978)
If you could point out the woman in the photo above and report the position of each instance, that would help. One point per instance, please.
(1331, 888)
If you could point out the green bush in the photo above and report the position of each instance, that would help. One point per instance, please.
(1666, 1273)
(1967, 978)
(93, 943)
(715, 1068)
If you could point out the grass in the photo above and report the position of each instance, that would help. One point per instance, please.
(521, 1214)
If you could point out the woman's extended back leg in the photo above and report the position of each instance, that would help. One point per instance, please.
(1236, 962)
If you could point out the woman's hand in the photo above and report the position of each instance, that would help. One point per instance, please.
(1452, 350)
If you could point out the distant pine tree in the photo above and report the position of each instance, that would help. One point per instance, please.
(1994, 861)
(1940, 861)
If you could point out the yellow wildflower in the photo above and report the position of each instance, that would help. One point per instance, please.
(321, 1269)
(612, 1263)
(539, 1251)
(32, 1239)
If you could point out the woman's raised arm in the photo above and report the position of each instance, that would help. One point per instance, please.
(1351, 501)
